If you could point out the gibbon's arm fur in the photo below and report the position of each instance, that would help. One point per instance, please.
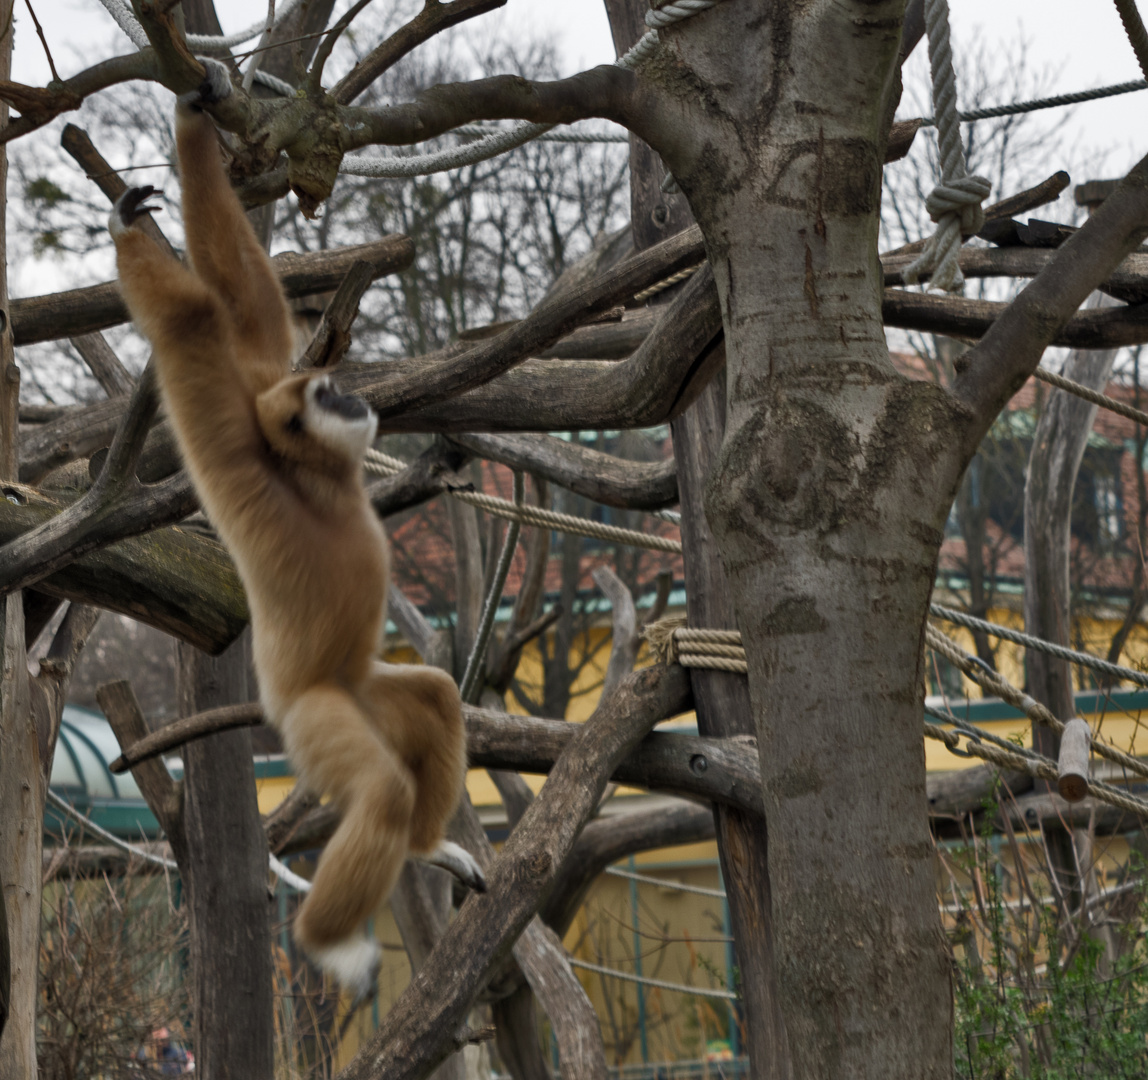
(276, 458)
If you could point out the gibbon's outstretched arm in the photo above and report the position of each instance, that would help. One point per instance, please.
(222, 245)
(277, 460)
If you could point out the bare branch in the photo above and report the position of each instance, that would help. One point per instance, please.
(955, 316)
(653, 385)
(104, 364)
(414, 1036)
(431, 473)
(96, 307)
(173, 580)
(602, 477)
(606, 840)
(112, 509)
(410, 385)
(50, 687)
(998, 366)
(164, 795)
(433, 19)
(624, 638)
(608, 92)
(188, 729)
(333, 337)
(38, 106)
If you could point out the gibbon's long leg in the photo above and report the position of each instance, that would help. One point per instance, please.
(326, 732)
(222, 244)
(417, 709)
(193, 353)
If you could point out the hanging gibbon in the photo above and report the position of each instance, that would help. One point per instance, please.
(276, 458)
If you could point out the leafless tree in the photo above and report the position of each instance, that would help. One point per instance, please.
(819, 482)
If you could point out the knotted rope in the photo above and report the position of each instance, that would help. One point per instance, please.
(955, 203)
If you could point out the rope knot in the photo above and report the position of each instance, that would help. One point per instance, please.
(955, 203)
(961, 196)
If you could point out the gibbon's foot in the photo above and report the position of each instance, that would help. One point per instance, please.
(456, 860)
(215, 87)
(129, 208)
(354, 962)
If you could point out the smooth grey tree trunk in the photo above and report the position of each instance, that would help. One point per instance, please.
(827, 502)
(722, 700)
(1054, 463)
(226, 878)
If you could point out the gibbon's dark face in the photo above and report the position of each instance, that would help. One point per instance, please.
(305, 419)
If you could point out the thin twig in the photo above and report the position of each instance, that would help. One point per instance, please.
(43, 41)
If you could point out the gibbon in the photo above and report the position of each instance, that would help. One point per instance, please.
(276, 458)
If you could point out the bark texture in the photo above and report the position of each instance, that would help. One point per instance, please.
(827, 504)
(225, 871)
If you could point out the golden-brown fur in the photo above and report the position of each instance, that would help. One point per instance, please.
(281, 478)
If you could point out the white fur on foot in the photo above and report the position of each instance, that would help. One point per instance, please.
(354, 962)
(216, 85)
(129, 208)
(456, 860)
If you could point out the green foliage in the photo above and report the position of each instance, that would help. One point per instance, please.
(43, 191)
(1042, 991)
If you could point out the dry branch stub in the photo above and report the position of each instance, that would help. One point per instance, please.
(1072, 767)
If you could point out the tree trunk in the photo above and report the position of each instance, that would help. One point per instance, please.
(722, 699)
(723, 709)
(828, 503)
(21, 801)
(1054, 462)
(226, 878)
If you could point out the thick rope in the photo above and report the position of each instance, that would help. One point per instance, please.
(474, 663)
(482, 130)
(127, 22)
(714, 663)
(1000, 687)
(385, 465)
(665, 283)
(955, 203)
(1105, 402)
(698, 991)
(1134, 28)
(1016, 108)
(971, 622)
(1040, 767)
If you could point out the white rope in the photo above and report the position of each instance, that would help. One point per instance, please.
(698, 991)
(482, 130)
(288, 876)
(677, 886)
(127, 22)
(209, 41)
(273, 82)
(392, 166)
(384, 465)
(971, 622)
(955, 203)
